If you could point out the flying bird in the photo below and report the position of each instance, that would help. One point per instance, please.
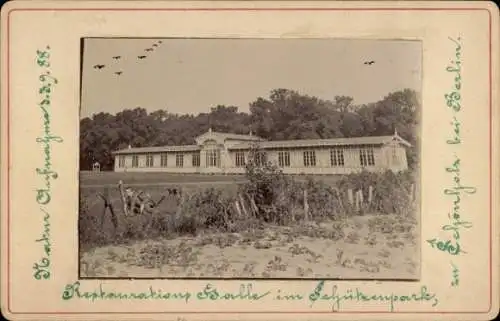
(141, 57)
(99, 66)
(117, 57)
(118, 72)
(148, 49)
(371, 62)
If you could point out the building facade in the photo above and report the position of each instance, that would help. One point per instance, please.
(222, 153)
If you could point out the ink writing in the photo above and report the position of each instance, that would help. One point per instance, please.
(249, 292)
(43, 194)
(457, 190)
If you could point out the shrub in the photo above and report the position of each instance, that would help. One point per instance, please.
(271, 190)
(391, 191)
(206, 209)
(323, 199)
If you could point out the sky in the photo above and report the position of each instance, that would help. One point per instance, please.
(192, 75)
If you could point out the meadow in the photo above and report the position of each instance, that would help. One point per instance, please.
(94, 179)
(204, 234)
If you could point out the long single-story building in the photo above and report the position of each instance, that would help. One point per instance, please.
(225, 153)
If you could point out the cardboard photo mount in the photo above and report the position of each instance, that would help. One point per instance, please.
(40, 55)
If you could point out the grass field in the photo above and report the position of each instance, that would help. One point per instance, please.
(366, 247)
(95, 179)
(112, 178)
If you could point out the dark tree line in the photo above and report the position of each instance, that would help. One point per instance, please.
(286, 114)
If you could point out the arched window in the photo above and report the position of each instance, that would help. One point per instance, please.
(212, 153)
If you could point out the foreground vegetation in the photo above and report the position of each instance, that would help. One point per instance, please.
(368, 247)
(283, 228)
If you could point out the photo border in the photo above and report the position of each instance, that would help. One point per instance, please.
(418, 174)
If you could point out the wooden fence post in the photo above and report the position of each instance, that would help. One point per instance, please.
(306, 206)
(114, 219)
(103, 209)
(370, 195)
(124, 200)
(108, 205)
(243, 207)
(238, 210)
(255, 209)
(339, 198)
(357, 201)
(179, 205)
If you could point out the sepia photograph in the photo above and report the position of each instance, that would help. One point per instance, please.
(250, 159)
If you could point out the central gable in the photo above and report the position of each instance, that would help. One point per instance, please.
(224, 138)
(210, 136)
(397, 140)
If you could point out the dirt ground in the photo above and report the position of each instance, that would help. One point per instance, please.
(364, 247)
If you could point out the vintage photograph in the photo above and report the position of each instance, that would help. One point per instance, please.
(250, 158)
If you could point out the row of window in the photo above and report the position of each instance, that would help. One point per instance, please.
(179, 160)
(366, 158)
(260, 158)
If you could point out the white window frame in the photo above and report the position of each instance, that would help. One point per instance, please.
(260, 158)
(284, 158)
(121, 161)
(150, 160)
(213, 158)
(164, 160)
(135, 161)
(366, 157)
(179, 160)
(337, 157)
(197, 157)
(309, 158)
(239, 159)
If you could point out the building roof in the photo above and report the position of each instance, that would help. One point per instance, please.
(241, 137)
(158, 149)
(250, 140)
(224, 136)
(367, 140)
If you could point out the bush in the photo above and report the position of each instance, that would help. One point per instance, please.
(271, 190)
(323, 199)
(391, 191)
(207, 209)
